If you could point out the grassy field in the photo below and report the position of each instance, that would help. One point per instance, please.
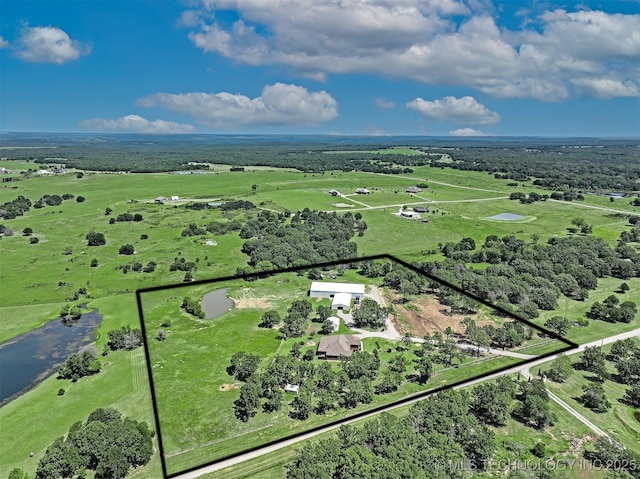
(39, 278)
(619, 421)
(189, 369)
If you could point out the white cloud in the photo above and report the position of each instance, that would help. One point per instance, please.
(135, 124)
(418, 40)
(465, 110)
(48, 45)
(3, 43)
(466, 132)
(606, 87)
(279, 104)
(386, 104)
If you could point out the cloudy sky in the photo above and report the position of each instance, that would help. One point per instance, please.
(358, 67)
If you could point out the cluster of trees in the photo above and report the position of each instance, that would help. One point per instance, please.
(625, 356)
(310, 237)
(509, 335)
(436, 437)
(527, 199)
(370, 314)
(137, 217)
(124, 338)
(126, 249)
(612, 311)
(136, 266)
(78, 365)
(322, 387)
(95, 239)
(222, 228)
(180, 263)
(524, 277)
(619, 458)
(18, 207)
(193, 230)
(295, 322)
(192, 306)
(107, 443)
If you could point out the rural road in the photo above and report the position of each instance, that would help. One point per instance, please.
(515, 369)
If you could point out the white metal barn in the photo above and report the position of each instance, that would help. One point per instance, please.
(341, 294)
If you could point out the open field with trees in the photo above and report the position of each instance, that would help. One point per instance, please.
(68, 266)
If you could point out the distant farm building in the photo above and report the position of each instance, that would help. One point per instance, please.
(409, 214)
(414, 189)
(160, 199)
(362, 191)
(341, 294)
(332, 347)
(420, 209)
(175, 198)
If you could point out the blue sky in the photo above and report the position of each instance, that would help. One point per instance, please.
(377, 67)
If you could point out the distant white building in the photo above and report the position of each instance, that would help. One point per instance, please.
(175, 198)
(362, 191)
(341, 294)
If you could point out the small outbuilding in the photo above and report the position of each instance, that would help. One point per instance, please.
(341, 301)
(414, 189)
(292, 388)
(362, 191)
(420, 209)
(160, 199)
(175, 198)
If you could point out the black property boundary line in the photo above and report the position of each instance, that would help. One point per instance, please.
(392, 404)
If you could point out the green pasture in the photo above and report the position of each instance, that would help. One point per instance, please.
(197, 420)
(38, 278)
(596, 329)
(619, 421)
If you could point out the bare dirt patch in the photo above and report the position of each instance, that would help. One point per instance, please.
(430, 316)
(226, 387)
(255, 303)
(343, 205)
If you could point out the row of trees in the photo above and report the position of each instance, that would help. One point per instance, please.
(20, 205)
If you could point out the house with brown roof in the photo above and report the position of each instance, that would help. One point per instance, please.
(332, 347)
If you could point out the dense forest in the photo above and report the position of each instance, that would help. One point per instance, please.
(274, 241)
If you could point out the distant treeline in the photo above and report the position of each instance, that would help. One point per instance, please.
(580, 164)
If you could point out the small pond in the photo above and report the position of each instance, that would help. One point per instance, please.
(31, 357)
(216, 303)
(506, 217)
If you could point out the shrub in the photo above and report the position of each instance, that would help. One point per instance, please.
(126, 249)
(34, 240)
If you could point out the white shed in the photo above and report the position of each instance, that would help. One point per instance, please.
(335, 321)
(341, 301)
(175, 198)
